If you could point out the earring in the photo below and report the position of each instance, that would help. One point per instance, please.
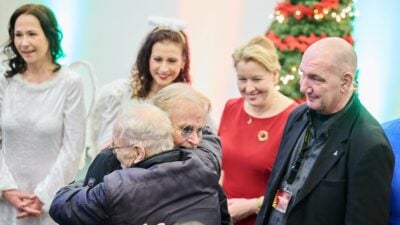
(9, 53)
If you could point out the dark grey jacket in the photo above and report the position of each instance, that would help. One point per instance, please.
(180, 189)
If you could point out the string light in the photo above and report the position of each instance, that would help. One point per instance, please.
(321, 14)
(318, 17)
(287, 78)
(279, 17)
(291, 74)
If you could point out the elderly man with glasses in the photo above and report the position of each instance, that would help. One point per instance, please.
(162, 195)
(188, 111)
(156, 185)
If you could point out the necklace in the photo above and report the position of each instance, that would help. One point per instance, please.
(249, 121)
(262, 134)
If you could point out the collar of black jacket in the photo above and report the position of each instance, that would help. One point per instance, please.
(167, 156)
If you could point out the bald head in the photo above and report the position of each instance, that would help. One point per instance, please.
(337, 51)
(328, 67)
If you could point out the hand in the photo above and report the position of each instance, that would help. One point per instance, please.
(240, 208)
(33, 209)
(21, 201)
(17, 199)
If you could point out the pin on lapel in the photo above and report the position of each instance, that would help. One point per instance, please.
(335, 153)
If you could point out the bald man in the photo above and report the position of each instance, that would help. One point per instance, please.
(335, 164)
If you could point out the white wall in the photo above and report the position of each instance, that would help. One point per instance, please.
(377, 37)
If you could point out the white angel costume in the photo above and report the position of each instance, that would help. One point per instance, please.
(116, 94)
(43, 133)
(105, 111)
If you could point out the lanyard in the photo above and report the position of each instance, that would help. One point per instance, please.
(294, 168)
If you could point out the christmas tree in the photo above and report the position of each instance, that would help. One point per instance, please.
(299, 23)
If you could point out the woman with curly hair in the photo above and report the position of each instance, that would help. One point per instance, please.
(162, 59)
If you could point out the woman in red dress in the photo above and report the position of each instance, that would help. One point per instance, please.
(251, 128)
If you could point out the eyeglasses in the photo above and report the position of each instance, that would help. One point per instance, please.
(112, 148)
(187, 130)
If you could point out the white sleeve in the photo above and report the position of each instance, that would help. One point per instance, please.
(105, 111)
(7, 181)
(66, 165)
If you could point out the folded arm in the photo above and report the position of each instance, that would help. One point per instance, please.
(80, 205)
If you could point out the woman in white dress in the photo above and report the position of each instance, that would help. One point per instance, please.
(42, 118)
(162, 59)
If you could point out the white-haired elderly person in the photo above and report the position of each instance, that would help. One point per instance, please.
(155, 186)
(188, 110)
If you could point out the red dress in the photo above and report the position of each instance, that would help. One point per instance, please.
(249, 149)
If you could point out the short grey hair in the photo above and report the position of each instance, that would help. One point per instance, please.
(145, 123)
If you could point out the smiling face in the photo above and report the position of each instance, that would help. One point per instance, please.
(166, 62)
(189, 115)
(30, 40)
(255, 83)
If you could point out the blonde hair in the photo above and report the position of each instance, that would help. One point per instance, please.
(260, 50)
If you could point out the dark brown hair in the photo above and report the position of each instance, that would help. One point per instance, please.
(48, 23)
(142, 79)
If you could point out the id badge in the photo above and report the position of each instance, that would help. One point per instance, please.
(281, 200)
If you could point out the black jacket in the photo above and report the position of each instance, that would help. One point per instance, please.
(350, 181)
